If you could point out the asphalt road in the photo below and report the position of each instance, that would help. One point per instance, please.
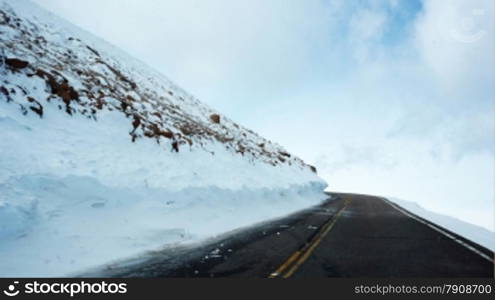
(350, 235)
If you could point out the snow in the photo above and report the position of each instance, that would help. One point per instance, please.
(58, 226)
(477, 234)
(76, 192)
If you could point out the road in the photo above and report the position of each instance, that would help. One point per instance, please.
(349, 235)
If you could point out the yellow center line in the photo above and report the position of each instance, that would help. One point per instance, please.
(300, 256)
(286, 264)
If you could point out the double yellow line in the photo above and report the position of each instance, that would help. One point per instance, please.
(299, 257)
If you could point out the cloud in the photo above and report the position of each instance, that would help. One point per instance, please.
(366, 27)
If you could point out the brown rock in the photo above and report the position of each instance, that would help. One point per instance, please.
(166, 134)
(215, 118)
(15, 63)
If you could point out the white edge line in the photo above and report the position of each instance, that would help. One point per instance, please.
(429, 224)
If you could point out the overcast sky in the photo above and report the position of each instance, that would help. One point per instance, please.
(385, 97)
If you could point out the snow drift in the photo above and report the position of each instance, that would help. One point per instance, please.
(101, 157)
(477, 234)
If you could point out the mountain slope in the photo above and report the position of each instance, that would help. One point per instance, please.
(82, 80)
(99, 149)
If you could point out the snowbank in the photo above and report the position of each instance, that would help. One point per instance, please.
(57, 226)
(477, 234)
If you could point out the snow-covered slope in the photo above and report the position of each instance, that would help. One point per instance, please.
(477, 234)
(101, 157)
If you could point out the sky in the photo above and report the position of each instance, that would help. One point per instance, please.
(385, 97)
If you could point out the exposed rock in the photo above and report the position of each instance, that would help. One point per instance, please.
(4, 91)
(15, 63)
(36, 107)
(215, 118)
(175, 146)
(93, 50)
